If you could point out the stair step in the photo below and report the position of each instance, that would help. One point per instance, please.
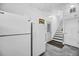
(56, 43)
(59, 32)
(60, 27)
(59, 35)
(58, 38)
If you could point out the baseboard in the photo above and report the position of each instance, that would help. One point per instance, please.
(65, 43)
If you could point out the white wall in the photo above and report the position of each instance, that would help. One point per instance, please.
(71, 26)
(55, 20)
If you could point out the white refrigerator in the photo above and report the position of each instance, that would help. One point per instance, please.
(20, 37)
(15, 35)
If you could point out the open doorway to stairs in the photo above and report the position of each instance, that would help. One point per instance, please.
(58, 38)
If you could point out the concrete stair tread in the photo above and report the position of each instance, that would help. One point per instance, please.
(58, 38)
(59, 32)
(59, 35)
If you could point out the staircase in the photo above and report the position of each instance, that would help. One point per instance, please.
(59, 36)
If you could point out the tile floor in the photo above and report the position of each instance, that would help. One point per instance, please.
(65, 51)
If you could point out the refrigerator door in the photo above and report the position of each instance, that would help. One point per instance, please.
(15, 45)
(13, 24)
(38, 39)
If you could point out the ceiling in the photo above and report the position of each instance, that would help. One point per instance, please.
(45, 8)
(48, 7)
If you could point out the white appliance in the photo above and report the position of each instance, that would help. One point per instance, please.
(15, 34)
(39, 38)
(20, 37)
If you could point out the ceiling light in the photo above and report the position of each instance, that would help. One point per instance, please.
(72, 6)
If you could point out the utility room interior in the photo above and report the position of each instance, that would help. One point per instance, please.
(39, 29)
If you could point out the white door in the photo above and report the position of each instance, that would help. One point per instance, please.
(38, 39)
(71, 32)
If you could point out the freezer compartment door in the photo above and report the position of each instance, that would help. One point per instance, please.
(13, 24)
(15, 46)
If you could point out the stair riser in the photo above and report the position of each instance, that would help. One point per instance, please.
(57, 39)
